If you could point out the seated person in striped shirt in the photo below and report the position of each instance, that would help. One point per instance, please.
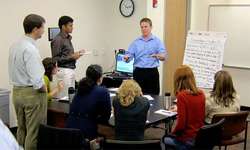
(51, 68)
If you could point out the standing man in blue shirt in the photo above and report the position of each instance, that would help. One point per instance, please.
(147, 51)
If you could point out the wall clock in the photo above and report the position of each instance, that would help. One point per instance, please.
(127, 8)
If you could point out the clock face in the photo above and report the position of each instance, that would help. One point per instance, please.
(127, 8)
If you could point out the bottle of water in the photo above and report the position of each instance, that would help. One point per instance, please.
(167, 100)
(71, 93)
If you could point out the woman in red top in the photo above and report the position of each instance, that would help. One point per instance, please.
(190, 109)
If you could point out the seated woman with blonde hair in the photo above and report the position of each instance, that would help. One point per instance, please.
(223, 97)
(130, 111)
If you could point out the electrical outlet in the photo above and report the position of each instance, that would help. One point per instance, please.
(95, 52)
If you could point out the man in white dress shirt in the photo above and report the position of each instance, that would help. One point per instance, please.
(26, 75)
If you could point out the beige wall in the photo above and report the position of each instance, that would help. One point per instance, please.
(122, 31)
(199, 18)
(86, 32)
(98, 27)
(119, 31)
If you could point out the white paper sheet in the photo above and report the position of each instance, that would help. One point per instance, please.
(204, 54)
(113, 89)
(65, 98)
(165, 112)
(150, 98)
(112, 94)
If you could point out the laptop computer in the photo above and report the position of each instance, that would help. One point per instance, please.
(124, 68)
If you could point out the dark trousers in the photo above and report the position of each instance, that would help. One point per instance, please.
(148, 79)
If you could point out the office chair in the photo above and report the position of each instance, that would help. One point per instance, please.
(60, 138)
(235, 123)
(207, 137)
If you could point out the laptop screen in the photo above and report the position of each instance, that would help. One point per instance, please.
(122, 66)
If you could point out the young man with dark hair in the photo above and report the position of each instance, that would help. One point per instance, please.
(29, 90)
(64, 20)
(147, 51)
(63, 52)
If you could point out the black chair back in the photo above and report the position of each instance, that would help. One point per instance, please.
(59, 138)
(208, 136)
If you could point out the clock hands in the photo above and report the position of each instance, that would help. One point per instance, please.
(128, 6)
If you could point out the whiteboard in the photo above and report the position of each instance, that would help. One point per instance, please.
(235, 21)
(204, 54)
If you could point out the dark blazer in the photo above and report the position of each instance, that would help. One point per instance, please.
(89, 110)
(130, 121)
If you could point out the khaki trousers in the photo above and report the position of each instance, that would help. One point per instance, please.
(31, 110)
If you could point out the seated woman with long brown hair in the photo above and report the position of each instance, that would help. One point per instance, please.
(50, 66)
(190, 109)
(223, 97)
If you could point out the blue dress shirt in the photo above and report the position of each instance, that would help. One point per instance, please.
(141, 50)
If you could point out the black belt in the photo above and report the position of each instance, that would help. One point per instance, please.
(155, 68)
(15, 86)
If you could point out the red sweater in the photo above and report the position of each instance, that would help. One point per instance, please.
(191, 115)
